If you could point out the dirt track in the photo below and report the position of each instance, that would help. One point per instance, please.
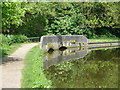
(10, 71)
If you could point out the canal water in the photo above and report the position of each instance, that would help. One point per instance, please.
(83, 68)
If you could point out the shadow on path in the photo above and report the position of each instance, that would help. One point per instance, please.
(9, 59)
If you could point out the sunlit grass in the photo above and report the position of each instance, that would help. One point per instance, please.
(33, 76)
(104, 40)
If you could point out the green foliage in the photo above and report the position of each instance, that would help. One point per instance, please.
(18, 38)
(11, 15)
(92, 19)
(34, 20)
(33, 76)
(67, 25)
(33, 25)
(84, 18)
(4, 40)
(4, 45)
(99, 14)
(0, 17)
(8, 41)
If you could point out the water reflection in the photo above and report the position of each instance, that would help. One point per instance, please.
(58, 56)
(97, 69)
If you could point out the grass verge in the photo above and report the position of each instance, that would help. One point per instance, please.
(104, 40)
(33, 76)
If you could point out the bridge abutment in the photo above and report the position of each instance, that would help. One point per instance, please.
(68, 41)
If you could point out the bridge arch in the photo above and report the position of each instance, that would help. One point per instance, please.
(62, 48)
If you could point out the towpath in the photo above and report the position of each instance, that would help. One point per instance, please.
(10, 70)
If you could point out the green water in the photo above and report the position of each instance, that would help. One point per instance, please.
(94, 68)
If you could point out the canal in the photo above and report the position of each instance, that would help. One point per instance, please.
(83, 68)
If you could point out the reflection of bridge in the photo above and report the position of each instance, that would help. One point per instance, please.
(60, 56)
(76, 47)
(56, 42)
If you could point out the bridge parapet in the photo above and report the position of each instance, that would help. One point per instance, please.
(69, 41)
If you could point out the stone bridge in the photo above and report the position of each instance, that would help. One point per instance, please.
(66, 41)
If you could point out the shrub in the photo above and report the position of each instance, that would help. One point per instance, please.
(19, 38)
(6, 42)
(10, 39)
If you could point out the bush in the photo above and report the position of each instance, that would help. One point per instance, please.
(10, 39)
(6, 41)
(19, 38)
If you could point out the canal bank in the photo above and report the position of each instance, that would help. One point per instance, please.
(95, 62)
(103, 44)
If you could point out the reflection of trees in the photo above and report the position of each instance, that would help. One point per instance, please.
(107, 55)
(100, 70)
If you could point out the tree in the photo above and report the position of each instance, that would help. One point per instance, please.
(40, 18)
(11, 15)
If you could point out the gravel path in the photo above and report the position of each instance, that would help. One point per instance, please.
(10, 71)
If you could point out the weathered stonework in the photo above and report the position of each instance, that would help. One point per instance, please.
(55, 42)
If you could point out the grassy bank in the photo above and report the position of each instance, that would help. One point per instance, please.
(104, 39)
(33, 76)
